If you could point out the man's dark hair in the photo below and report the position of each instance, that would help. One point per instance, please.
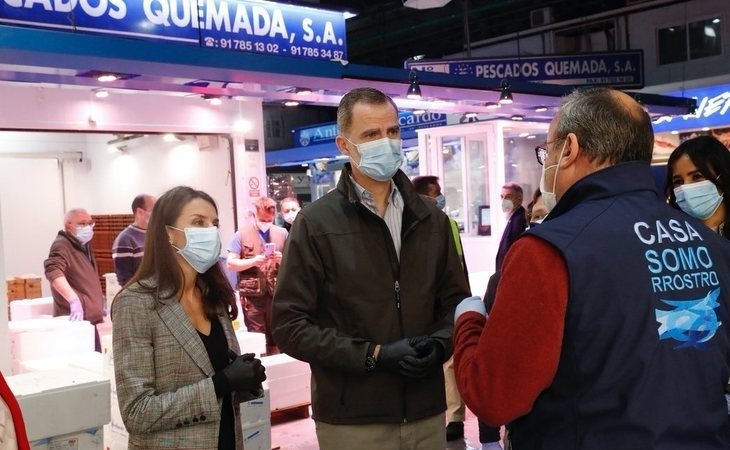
(421, 184)
(608, 128)
(368, 96)
(138, 202)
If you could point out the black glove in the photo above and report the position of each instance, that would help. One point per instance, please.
(391, 355)
(245, 374)
(430, 355)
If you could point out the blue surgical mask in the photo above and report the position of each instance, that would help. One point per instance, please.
(84, 233)
(379, 159)
(699, 200)
(440, 201)
(202, 247)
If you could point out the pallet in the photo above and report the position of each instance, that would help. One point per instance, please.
(292, 413)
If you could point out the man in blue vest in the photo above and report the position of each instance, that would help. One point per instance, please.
(620, 338)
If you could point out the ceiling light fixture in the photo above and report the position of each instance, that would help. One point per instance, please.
(541, 108)
(291, 103)
(107, 77)
(505, 98)
(303, 91)
(517, 117)
(101, 93)
(524, 135)
(492, 105)
(414, 90)
(425, 4)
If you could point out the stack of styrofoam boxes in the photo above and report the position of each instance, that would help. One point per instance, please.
(256, 423)
(32, 309)
(288, 380)
(251, 342)
(63, 408)
(115, 433)
(48, 338)
(112, 289)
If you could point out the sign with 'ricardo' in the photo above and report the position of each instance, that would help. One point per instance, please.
(241, 25)
(624, 69)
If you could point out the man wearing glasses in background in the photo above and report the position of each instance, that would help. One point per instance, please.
(71, 270)
(619, 338)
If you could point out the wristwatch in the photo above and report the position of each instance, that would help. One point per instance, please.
(372, 358)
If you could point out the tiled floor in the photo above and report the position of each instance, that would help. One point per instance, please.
(298, 434)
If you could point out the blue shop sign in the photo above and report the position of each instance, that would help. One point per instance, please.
(713, 106)
(408, 122)
(623, 69)
(253, 26)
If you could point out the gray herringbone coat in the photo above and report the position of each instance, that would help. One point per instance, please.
(163, 374)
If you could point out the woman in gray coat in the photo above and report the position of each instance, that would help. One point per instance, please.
(177, 366)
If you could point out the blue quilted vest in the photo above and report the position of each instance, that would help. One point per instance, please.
(644, 359)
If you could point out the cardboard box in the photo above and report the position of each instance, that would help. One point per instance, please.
(257, 437)
(32, 285)
(62, 401)
(32, 309)
(16, 288)
(257, 410)
(91, 439)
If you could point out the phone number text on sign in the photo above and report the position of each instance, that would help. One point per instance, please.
(273, 29)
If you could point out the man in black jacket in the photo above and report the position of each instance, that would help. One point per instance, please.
(366, 293)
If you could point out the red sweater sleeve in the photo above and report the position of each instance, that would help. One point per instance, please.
(502, 364)
(20, 434)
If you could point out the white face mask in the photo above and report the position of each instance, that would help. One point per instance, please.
(507, 205)
(290, 216)
(84, 233)
(548, 197)
(264, 226)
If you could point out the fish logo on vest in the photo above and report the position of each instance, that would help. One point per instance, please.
(691, 322)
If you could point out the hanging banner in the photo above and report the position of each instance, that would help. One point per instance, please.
(619, 69)
(713, 110)
(409, 123)
(252, 26)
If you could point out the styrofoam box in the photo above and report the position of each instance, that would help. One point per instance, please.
(115, 441)
(91, 361)
(290, 391)
(61, 401)
(48, 338)
(257, 410)
(257, 437)
(92, 439)
(251, 342)
(283, 365)
(112, 289)
(116, 423)
(31, 309)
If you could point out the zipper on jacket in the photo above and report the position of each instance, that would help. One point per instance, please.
(397, 302)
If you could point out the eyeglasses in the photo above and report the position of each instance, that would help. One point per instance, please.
(541, 151)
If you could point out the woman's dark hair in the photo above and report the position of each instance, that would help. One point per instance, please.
(160, 271)
(711, 158)
(528, 211)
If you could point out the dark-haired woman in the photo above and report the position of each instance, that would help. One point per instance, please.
(698, 177)
(177, 366)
